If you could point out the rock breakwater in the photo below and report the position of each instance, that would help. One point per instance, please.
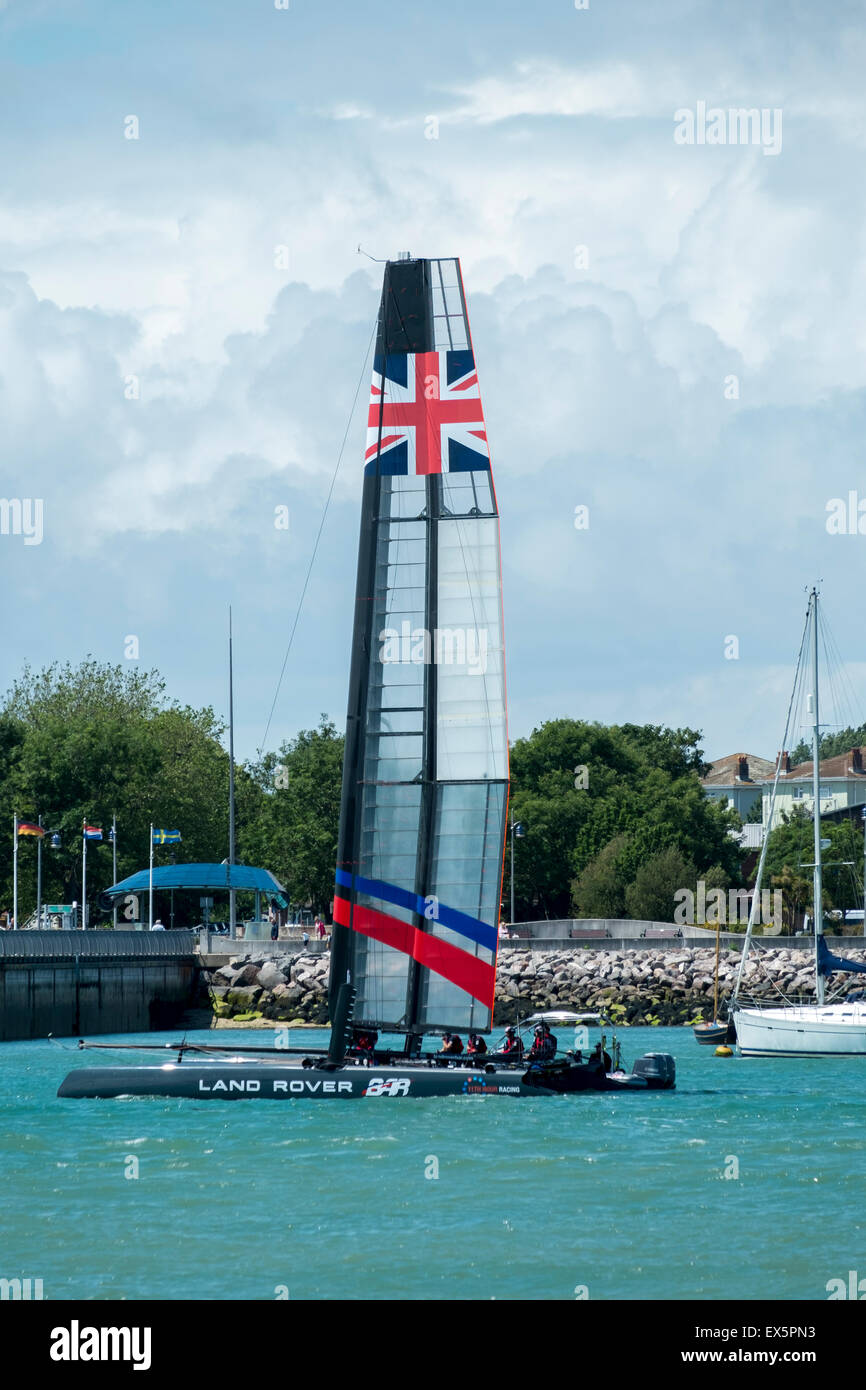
(656, 986)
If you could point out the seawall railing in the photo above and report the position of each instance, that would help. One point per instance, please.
(51, 945)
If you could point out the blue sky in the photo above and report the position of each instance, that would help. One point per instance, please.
(603, 372)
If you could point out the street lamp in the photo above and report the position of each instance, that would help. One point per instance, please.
(54, 843)
(517, 832)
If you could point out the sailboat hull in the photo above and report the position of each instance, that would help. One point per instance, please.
(273, 1081)
(809, 1030)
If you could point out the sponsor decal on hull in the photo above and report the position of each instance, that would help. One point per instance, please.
(394, 1086)
(295, 1088)
(482, 1086)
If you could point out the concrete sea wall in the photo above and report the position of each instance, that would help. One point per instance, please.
(76, 983)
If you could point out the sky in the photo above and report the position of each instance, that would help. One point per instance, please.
(668, 310)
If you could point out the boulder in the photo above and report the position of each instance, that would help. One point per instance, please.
(243, 998)
(270, 976)
(248, 974)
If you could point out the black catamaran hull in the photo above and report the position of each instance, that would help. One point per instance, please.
(258, 1081)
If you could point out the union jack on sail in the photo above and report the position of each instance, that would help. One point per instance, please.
(425, 415)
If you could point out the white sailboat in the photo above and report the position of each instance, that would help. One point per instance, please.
(823, 1029)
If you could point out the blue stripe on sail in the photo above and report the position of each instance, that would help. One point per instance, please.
(449, 917)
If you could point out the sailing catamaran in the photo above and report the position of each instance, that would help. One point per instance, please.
(425, 774)
(834, 1029)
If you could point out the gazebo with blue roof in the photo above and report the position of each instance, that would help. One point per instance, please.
(219, 878)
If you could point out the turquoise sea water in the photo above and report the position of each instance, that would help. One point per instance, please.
(624, 1194)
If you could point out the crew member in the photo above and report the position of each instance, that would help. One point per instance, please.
(452, 1044)
(544, 1047)
(600, 1058)
(513, 1045)
(362, 1047)
(476, 1044)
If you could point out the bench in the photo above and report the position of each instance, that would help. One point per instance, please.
(662, 934)
(589, 934)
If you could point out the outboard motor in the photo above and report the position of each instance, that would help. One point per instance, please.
(658, 1069)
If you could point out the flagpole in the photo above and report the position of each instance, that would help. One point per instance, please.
(150, 888)
(114, 863)
(39, 879)
(83, 876)
(15, 870)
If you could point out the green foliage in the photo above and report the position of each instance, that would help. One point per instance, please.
(651, 896)
(791, 848)
(94, 741)
(295, 832)
(643, 790)
(85, 742)
(717, 877)
(830, 745)
(600, 889)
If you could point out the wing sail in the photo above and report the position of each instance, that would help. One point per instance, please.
(425, 777)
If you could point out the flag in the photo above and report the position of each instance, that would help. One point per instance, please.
(425, 415)
(27, 828)
(166, 837)
(92, 832)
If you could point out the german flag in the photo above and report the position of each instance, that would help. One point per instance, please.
(27, 828)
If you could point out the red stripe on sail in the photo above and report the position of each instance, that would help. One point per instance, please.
(469, 973)
(476, 976)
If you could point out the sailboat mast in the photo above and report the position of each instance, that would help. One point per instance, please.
(818, 911)
(232, 904)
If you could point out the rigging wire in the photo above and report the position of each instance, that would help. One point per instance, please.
(317, 540)
(798, 679)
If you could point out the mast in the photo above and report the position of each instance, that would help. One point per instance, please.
(759, 876)
(232, 904)
(818, 898)
(425, 772)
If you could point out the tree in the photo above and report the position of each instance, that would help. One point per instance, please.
(830, 745)
(791, 847)
(578, 786)
(651, 896)
(89, 742)
(297, 824)
(600, 889)
(796, 895)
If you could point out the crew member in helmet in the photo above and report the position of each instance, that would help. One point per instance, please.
(544, 1046)
(362, 1047)
(513, 1044)
(476, 1044)
(452, 1044)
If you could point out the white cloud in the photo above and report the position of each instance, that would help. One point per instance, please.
(537, 88)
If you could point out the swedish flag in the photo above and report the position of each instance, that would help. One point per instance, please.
(166, 837)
